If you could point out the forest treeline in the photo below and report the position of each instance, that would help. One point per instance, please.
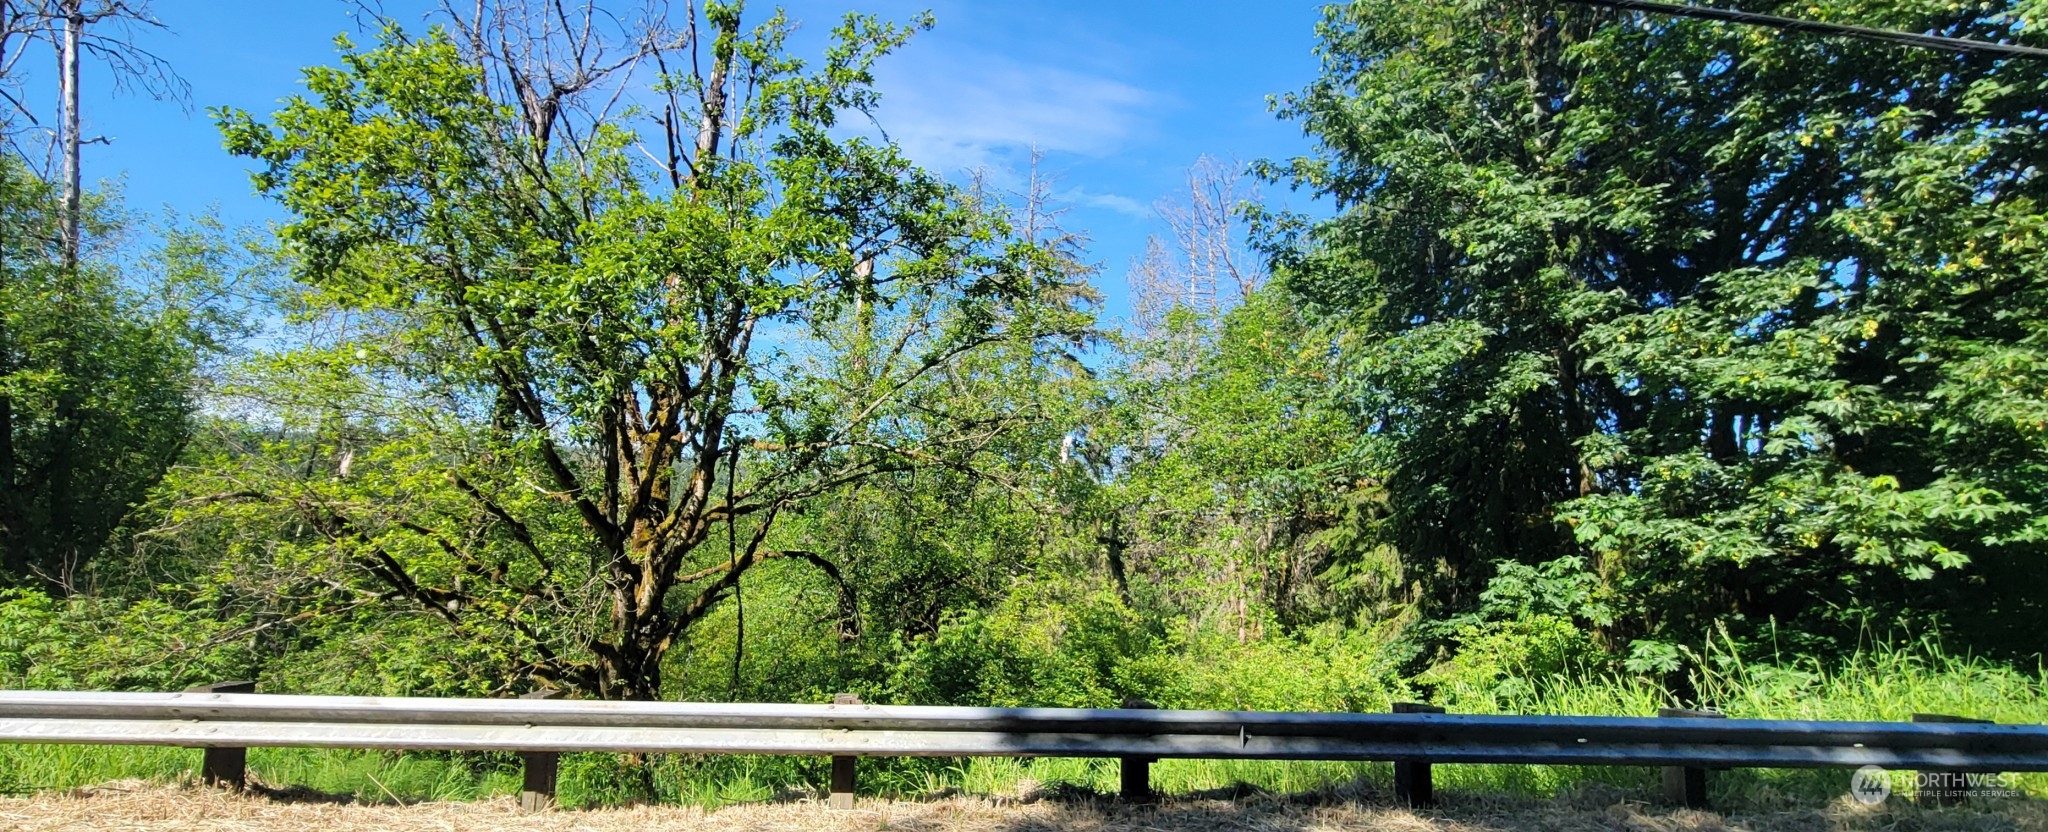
(606, 353)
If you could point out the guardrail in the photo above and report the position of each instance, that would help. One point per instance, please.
(1686, 743)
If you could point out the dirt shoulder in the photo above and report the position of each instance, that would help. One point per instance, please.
(144, 807)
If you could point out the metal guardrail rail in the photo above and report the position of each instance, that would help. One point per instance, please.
(1686, 742)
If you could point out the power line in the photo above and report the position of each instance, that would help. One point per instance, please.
(1793, 24)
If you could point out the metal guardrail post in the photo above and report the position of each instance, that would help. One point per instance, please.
(1948, 785)
(225, 766)
(1135, 773)
(1687, 785)
(843, 767)
(540, 769)
(1412, 784)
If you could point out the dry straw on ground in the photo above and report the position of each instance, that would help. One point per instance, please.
(145, 807)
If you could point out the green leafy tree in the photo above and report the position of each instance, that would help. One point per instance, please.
(542, 350)
(99, 370)
(1222, 470)
(1744, 317)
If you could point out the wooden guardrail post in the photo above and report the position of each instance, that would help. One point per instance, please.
(225, 766)
(843, 766)
(1687, 785)
(1135, 773)
(540, 769)
(1412, 784)
(1948, 786)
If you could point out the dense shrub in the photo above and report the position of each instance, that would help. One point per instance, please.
(88, 643)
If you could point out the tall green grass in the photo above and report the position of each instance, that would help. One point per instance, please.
(367, 775)
(1888, 684)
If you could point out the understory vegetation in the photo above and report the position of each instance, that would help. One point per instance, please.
(1635, 363)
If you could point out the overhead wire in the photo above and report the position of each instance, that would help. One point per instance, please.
(1793, 24)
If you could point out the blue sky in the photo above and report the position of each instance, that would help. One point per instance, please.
(1121, 97)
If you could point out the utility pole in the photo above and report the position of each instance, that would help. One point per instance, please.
(74, 20)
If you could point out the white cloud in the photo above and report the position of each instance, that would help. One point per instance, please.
(955, 112)
(1114, 202)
